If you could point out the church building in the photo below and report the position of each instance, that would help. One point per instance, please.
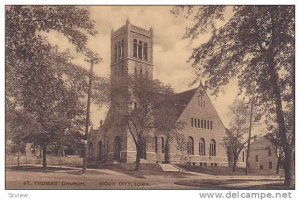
(132, 54)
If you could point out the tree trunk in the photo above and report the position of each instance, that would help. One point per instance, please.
(288, 169)
(138, 158)
(44, 156)
(234, 166)
(278, 165)
(276, 96)
(18, 154)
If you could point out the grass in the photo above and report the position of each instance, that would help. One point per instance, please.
(221, 184)
(225, 170)
(147, 169)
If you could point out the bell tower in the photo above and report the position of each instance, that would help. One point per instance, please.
(131, 55)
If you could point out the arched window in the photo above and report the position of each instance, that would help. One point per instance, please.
(190, 146)
(100, 150)
(135, 47)
(145, 51)
(140, 50)
(202, 147)
(91, 149)
(116, 53)
(212, 148)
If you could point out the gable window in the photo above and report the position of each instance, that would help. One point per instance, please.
(190, 146)
(212, 148)
(145, 51)
(202, 147)
(140, 50)
(207, 124)
(211, 125)
(198, 123)
(201, 123)
(135, 47)
(192, 122)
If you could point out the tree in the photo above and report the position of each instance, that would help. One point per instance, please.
(41, 79)
(181, 143)
(276, 145)
(19, 125)
(257, 46)
(146, 113)
(236, 135)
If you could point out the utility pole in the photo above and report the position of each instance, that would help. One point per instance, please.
(249, 138)
(92, 58)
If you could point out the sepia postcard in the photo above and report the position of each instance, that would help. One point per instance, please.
(150, 97)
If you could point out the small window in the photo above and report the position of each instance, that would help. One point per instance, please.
(135, 72)
(146, 74)
(195, 122)
(212, 164)
(269, 152)
(216, 164)
(205, 164)
(205, 124)
(201, 123)
(261, 167)
(256, 158)
(122, 49)
(134, 105)
(198, 123)
(192, 122)
(211, 125)
(201, 164)
(141, 72)
(270, 165)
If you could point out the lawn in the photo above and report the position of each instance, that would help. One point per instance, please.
(147, 169)
(212, 184)
(225, 170)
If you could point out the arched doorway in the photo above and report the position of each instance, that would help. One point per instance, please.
(100, 150)
(117, 151)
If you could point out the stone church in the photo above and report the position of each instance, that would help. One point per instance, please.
(132, 54)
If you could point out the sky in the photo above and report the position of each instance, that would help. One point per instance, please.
(170, 51)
